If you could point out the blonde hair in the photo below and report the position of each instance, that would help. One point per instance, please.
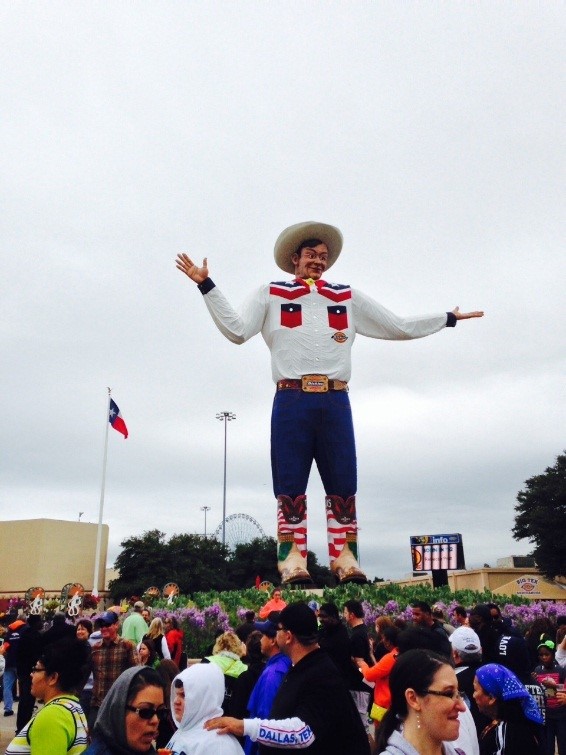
(231, 642)
(155, 628)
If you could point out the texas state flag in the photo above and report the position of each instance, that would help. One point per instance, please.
(116, 420)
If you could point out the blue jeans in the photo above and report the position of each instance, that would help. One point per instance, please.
(10, 676)
(307, 427)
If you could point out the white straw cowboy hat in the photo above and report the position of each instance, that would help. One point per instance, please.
(291, 238)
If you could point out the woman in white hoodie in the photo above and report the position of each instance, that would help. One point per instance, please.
(196, 696)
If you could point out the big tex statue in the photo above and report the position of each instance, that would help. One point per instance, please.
(309, 326)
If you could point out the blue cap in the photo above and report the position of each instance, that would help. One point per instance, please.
(107, 618)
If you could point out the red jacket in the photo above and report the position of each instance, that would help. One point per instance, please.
(174, 639)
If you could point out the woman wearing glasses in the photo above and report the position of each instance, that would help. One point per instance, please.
(129, 716)
(60, 725)
(425, 703)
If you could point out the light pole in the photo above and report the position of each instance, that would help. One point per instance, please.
(205, 509)
(224, 417)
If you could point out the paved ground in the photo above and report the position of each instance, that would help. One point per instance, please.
(7, 727)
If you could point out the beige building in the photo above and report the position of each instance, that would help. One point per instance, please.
(50, 553)
(527, 583)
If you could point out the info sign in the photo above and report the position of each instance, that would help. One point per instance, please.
(436, 552)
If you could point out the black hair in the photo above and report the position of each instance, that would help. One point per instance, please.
(415, 670)
(331, 610)
(307, 242)
(355, 607)
(391, 634)
(249, 615)
(70, 660)
(150, 645)
(147, 677)
(423, 605)
(414, 638)
(460, 611)
(167, 671)
(253, 648)
(86, 623)
(482, 610)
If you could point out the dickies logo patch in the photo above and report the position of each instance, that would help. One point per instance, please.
(339, 337)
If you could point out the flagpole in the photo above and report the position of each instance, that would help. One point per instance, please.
(101, 506)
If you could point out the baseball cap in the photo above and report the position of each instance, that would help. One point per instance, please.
(268, 627)
(299, 619)
(108, 618)
(465, 640)
(139, 604)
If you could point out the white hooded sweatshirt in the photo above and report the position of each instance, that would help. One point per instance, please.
(204, 692)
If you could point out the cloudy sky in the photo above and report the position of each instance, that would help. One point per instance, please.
(431, 133)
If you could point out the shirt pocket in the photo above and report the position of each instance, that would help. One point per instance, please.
(291, 315)
(338, 317)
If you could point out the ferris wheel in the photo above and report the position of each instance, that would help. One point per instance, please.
(240, 528)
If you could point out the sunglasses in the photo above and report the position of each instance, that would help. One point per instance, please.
(37, 669)
(148, 713)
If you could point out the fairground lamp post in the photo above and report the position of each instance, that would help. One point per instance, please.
(205, 509)
(224, 417)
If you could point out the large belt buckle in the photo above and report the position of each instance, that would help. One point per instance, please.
(315, 383)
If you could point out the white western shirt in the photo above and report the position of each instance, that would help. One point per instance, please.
(310, 329)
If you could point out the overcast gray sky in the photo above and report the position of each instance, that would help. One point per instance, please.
(431, 133)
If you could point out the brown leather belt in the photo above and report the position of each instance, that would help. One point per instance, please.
(312, 384)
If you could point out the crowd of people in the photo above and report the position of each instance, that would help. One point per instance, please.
(310, 677)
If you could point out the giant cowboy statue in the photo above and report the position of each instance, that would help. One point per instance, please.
(309, 326)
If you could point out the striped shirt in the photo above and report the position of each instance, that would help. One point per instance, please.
(58, 728)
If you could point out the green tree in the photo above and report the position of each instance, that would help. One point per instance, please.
(198, 564)
(259, 559)
(255, 559)
(195, 563)
(143, 562)
(541, 518)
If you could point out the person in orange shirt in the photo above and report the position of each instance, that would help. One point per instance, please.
(275, 604)
(379, 673)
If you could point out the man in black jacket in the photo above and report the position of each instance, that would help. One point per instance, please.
(423, 618)
(361, 693)
(312, 711)
(29, 650)
(333, 639)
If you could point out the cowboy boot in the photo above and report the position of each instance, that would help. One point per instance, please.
(292, 539)
(342, 530)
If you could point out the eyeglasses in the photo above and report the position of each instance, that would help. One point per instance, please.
(454, 696)
(37, 669)
(148, 713)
